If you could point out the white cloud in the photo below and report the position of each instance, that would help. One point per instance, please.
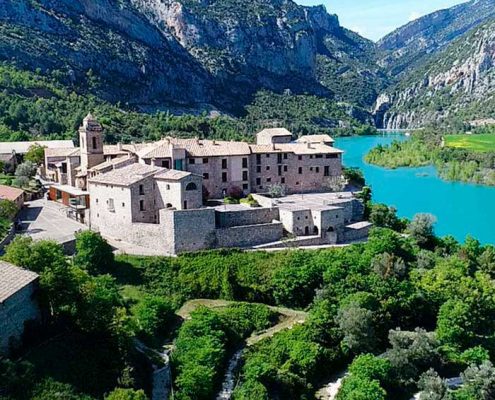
(415, 15)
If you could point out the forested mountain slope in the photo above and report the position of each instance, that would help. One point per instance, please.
(458, 84)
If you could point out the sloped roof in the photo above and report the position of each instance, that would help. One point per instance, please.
(172, 175)
(315, 139)
(195, 148)
(23, 147)
(10, 193)
(13, 279)
(296, 148)
(62, 152)
(127, 175)
(272, 132)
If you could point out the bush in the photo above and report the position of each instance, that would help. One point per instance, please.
(93, 253)
(126, 394)
(153, 315)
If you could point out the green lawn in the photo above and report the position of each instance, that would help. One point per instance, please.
(482, 142)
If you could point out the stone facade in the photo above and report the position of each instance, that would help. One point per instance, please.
(18, 289)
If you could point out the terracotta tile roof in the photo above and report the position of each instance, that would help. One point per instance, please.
(126, 176)
(272, 132)
(10, 193)
(13, 279)
(295, 148)
(315, 139)
(112, 163)
(172, 175)
(195, 148)
(62, 152)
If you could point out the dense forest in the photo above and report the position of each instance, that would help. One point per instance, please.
(402, 312)
(35, 105)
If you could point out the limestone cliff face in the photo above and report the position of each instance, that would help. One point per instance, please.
(458, 83)
(192, 53)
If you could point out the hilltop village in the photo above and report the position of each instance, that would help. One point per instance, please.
(162, 195)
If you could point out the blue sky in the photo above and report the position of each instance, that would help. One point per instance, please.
(375, 18)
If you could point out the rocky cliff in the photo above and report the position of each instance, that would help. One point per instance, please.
(415, 43)
(458, 84)
(191, 53)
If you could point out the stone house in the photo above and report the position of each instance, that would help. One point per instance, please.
(18, 304)
(13, 194)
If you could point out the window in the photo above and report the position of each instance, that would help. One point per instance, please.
(245, 186)
(141, 205)
(300, 170)
(319, 156)
(268, 168)
(268, 156)
(285, 168)
(311, 156)
(311, 169)
(141, 190)
(258, 169)
(258, 181)
(96, 201)
(285, 156)
(224, 176)
(268, 179)
(123, 205)
(327, 170)
(244, 176)
(282, 180)
(317, 170)
(185, 205)
(94, 143)
(332, 156)
(168, 187)
(191, 186)
(206, 176)
(64, 168)
(224, 163)
(299, 158)
(279, 170)
(258, 158)
(192, 161)
(205, 160)
(111, 205)
(244, 163)
(279, 158)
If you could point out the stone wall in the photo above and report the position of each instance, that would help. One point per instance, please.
(14, 312)
(249, 216)
(193, 230)
(248, 236)
(356, 232)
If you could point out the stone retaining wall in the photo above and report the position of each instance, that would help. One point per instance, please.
(249, 216)
(248, 236)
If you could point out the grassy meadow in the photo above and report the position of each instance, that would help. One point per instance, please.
(479, 142)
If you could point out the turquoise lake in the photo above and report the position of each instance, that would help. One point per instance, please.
(461, 209)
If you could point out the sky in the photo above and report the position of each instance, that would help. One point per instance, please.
(375, 18)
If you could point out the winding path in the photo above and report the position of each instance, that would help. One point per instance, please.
(289, 319)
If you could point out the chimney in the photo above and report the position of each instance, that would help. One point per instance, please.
(214, 142)
(309, 145)
(119, 146)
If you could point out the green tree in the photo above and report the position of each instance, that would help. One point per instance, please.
(126, 394)
(153, 315)
(357, 388)
(432, 386)
(8, 210)
(421, 229)
(356, 325)
(35, 154)
(93, 253)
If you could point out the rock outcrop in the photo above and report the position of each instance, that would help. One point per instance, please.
(458, 83)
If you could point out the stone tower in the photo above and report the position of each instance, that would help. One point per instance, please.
(91, 143)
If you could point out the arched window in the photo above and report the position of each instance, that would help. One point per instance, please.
(191, 186)
(168, 205)
(316, 230)
(331, 229)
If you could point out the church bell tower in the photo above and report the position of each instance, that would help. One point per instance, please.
(91, 143)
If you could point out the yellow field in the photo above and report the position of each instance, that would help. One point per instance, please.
(482, 143)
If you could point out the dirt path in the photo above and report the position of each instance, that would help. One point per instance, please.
(289, 319)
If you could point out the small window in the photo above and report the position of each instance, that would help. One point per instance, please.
(299, 158)
(95, 145)
(279, 158)
(166, 164)
(268, 168)
(168, 187)
(123, 204)
(285, 156)
(96, 201)
(279, 170)
(245, 186)
(258, 181)
(244, 163)
(206, 176)
(282, 180)
(141, 205)
(317, 170)
(224, 176)
(319, 156)
(285, 168)
(111, 205)
(191, 186)
(258, 169)
(268, 156)
(244, 176)
(224, 163)
(268, 180)
(300, 170)
(192, 161)
(327, 170)
(311, 169)
(258, 158)
(141, 190)
(205, 160)
(311, 156)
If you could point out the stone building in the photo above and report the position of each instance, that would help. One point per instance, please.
(18, 288)
(153, 194)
